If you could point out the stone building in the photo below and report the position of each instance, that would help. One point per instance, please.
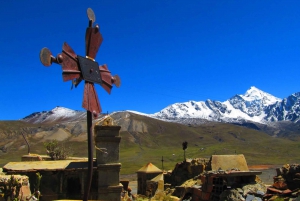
(60, 179)
(66, 179)
(147, 172)
(107, 139)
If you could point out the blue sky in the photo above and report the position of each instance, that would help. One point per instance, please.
(165, 51)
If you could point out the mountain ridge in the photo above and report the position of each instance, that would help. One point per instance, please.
(254, 105)
(146, 139)
(57, 114)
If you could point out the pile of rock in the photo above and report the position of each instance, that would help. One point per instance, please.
(186, 170)
(286, 183)
(247, 192)
(229, 185)
(14, 187)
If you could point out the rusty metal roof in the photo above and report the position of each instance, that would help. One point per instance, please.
(33, 166)
(158, 177)
(150, 168)
(239, 173)
(228, 162)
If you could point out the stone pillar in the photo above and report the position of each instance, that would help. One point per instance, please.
(107, 140)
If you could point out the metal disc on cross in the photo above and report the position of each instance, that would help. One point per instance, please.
(77, 68)
(91, 15)
(45, 57)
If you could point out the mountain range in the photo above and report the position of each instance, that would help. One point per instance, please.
(255, 109)
(253, 106)
(253, 123)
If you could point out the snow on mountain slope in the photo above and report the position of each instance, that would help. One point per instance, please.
(286, 110)
(253, 102)
(56, 114)
(250, 106)
(254, 94)
(255, 105)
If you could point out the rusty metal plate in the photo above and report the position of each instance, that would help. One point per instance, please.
(149, 168)
(287, 191)
(89, 69)
(91, 15)
(45, 57)
(37, 165)
(228, 162)
(240, 173)
(117, 80)
(90, 99)
(106, 78)
(93, 40)
(31, 166)
(69, 63)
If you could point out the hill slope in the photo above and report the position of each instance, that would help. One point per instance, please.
(146, 139)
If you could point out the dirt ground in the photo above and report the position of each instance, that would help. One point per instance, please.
(268, 172)
(132, 178)
(129, 177)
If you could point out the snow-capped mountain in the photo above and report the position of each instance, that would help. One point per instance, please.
(286, 110)
(56, 114)
(253, 101)
(255, 105)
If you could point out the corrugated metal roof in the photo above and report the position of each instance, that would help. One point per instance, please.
(29, 166)
(228, 162)
(158, 177)
(150, 168)
(239, 173)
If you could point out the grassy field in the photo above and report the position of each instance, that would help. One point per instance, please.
(164, 139)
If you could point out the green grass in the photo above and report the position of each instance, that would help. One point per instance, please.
(216, 138)
(165, 139)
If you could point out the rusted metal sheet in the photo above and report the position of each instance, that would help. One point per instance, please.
(239, 173)
(281, 185)
(90, 99)
(228, 162)
(46, 57)
(93, 40)
(287, 191)
(37, 165)
(106, 77)
(93, 37)
(69, 63)
(149, 168)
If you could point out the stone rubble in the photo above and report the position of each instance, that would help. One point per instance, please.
(226, 185)
(286, 183)
(14, 187)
